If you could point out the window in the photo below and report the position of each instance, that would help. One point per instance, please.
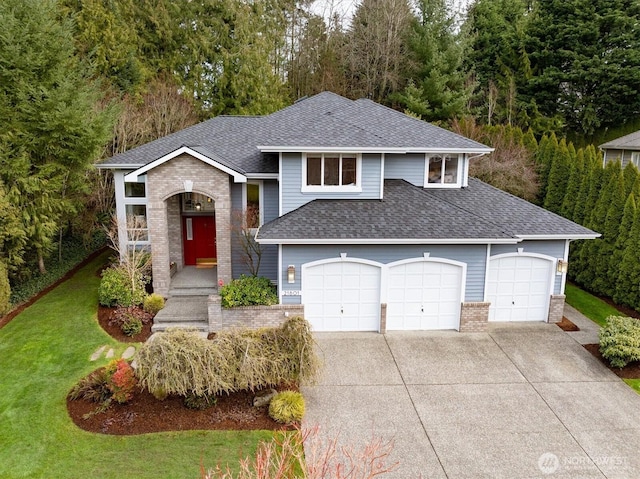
(197, 203)
(137, 223)
(443, 170)
(134, 190)
(253, 204)
(635, 158)
(331, 171)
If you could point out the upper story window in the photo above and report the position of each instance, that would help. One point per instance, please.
(134, 190)
(444, 170)
(331, 172)
(253, 204)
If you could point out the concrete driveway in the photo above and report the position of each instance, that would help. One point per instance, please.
(521, 401)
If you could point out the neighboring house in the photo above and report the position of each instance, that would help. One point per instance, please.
(368, 217)
(625, 149)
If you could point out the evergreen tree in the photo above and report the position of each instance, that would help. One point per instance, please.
(584, 56)
(627, 290)
(437, 89)
(630, 177)
(617, 256)
(573, 185)
(52, 128)
(544, 159)
(558, 178)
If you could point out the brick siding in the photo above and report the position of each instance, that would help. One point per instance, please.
(474, 317)
(556, 308)
(250, 316)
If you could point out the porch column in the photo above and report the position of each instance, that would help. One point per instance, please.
(223, 236)
(159, 236)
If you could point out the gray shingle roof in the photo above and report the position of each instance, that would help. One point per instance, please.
(324, 120)
(627, 142)
(409, 212)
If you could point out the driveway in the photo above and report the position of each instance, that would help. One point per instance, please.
(521, 401)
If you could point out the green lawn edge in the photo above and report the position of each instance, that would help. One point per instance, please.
(44, 351)
(589, 305)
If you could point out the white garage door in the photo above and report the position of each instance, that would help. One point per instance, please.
(424, 295)
(518, 288)
(342, 296)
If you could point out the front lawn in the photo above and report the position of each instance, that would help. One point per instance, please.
(591, 306)
(43, 352)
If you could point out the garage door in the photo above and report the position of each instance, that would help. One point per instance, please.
(424, 295)
(342, 296)
(518, 288)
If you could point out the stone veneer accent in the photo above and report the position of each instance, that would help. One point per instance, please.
(249, 316)
(163, 183)
(474, 317)
(556, 308)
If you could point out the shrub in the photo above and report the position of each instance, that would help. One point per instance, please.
(248, 291)
(131, 327)
(181, 362)
(153, 303)
(287, 407)
(620, 341)
(199, 402)
(122, 381)
(94, 387)
(117, 289)
(5, 290)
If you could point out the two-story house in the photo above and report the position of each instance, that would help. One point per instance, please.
(367, 217)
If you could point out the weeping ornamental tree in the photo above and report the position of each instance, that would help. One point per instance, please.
(52, 129)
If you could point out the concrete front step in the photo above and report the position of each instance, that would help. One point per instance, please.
(183, 311)
(202, 326)
(192, 292)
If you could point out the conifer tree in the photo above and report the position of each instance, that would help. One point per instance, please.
(617, 256)
(559, 173)
(627, 290)
(573, 185)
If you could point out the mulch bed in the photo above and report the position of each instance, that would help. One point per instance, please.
(567, 325)
(630, 371)
(104, 316)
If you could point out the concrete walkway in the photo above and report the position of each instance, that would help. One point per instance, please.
(521, 401)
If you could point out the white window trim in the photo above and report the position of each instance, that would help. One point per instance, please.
(459, 172)
(260, 184)
(357, 188)
(635, 158)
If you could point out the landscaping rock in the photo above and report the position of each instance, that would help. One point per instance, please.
(98, 353)
(263, 398)
(110, 353)
(129, 352)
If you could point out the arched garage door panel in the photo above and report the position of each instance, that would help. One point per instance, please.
(518, 288)
(424, 295)
(342, 296)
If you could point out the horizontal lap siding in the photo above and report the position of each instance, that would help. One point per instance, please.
(473, 255)
(408, 167)
(293, 198)
(269, 261)
(555, 249)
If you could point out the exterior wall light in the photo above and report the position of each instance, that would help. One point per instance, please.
(291, 274)
(198, 206)
(562, 266)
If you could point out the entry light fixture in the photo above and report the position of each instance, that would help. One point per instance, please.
(198, 206)
(562, 266)
(291, 273)
(209, 200)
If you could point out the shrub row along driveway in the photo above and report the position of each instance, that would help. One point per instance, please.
(523, 400)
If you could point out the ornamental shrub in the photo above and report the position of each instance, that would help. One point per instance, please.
(199, 402)
(153, 303)
(248, 291)
(181, 362)
(620, 341)
(287, 407)
(94, 387)
(117, 289)
(131, 327)
(122, 380)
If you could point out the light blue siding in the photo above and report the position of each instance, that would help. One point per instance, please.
(473, 255)
(269, 261)
(555, 249)
(293, 197)
(408, 167)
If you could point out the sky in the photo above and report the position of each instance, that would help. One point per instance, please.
(345, 8)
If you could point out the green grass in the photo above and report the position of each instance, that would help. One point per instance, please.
(634, 383)
(592, 307)
(43, 352)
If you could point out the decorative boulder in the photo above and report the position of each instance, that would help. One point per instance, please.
(263, 398)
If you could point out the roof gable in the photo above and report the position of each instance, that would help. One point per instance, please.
(627, 142)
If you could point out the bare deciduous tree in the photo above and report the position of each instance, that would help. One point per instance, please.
(243, 229)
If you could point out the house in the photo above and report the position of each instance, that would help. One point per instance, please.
(626, 149)
(368, 218)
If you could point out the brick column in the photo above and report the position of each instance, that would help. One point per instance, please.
(556, 308)
(159, 237)
(383, 318)
(474, 317)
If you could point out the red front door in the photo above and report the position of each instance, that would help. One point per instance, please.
(199, 238)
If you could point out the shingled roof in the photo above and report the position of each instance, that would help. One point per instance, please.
(325, 120)
(627, 142)
(412, 214)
